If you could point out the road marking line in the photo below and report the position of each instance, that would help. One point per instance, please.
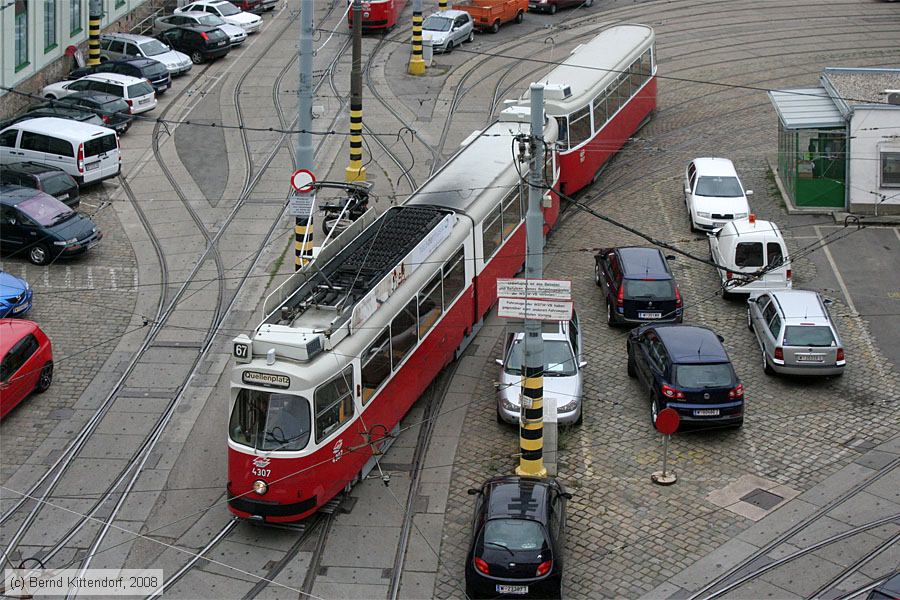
(837, 273)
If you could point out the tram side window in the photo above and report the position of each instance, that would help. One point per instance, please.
(334, 404)
(647, 62)
(612, 99)
(454, 277)
(491, 231)
(403, 333)
(376, 365)
(563, 136)
(599, 105)
(624, 87)
(429, 305)
(511, 212)
(636, 80)
(580, 126)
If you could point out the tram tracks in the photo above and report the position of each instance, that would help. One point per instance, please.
(58, 470)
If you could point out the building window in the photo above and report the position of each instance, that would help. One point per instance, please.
(890, 169)
(49, 25)
(75, 25)
(21, 34)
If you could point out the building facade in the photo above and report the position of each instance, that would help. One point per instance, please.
(34, 36)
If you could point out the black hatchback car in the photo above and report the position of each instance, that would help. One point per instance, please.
(144, 68)
(200, 42)
(50, 180)
(638, 286)
(114, 111)
(686, 367)
(41, 227)
(72, 113)
(517, 538)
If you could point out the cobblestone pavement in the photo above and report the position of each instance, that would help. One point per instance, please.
(626, 535)
(95, 295)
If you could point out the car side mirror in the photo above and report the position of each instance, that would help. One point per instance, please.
(566, 495)
(827, 301)
(721, 339)
(671, 257)
(687, 190)
(473, 491)
(582, 364)
(499, 361)
(748, 193)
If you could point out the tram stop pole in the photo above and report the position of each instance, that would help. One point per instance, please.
(531, 420)
(416, 60)
(355, 171)
(305, 154)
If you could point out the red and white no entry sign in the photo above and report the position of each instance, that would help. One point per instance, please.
(303, 181)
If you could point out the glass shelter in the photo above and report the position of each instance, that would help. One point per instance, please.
(812, 147)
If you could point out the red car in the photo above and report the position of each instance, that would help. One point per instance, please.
(27, 364)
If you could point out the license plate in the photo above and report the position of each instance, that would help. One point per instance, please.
(512, 589)
(809, 357)
(650, 315)
(145, 101)
(718, 224)
(92, 243)
(220, 44)
(707, 412)
(92, 166)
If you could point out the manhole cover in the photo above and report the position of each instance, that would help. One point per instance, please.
(763, 499)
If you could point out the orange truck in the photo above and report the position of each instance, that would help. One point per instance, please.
(490, 14)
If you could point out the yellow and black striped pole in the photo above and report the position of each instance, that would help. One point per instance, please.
(531, 428)
(96, 14)
(442, 5)
(416, 61)
(303, 242)
(355, 171)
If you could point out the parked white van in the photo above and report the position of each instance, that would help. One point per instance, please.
(755, 248)
(89, 153)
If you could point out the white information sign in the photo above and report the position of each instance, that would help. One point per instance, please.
(544, 310)
(550, 289)
(301, 206)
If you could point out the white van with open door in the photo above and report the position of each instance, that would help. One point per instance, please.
(89, 153)
(751, 256)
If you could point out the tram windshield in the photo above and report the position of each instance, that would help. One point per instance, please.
(270, 420)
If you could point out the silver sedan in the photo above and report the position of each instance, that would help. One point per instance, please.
(236, 35)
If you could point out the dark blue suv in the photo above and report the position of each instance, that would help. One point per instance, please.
(144, 68)
(685, 367)
(638, 286)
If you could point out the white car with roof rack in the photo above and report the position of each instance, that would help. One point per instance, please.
(227, 11)
(120, 46)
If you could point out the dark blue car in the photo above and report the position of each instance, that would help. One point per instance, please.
(15, 296)
(685, 367)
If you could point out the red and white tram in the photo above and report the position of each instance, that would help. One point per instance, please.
(349, 343)
(378, 14)
(601, 95)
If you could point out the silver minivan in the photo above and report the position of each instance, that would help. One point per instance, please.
(563, 367)
(795, 333)
(118, 46)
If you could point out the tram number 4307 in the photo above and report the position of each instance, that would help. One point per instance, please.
(261, 472)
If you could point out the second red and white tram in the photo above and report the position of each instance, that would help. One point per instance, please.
(600, 95)
(378, 14)
(349, 343)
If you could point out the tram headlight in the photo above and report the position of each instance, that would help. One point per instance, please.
(260, 487)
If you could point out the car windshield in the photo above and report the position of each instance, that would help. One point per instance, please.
(654, 289)
(558, 358)
(270, 420)
(118, 105)
(807, 335)
(434, 23)
(514, 534)
(210, 20)
(703, 376)
(45, 210)
(139, 89)
(54, 184)
(153, 47)
(227, 9)
(719, 187)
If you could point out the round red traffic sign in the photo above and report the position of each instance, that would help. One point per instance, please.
(667, 421)
(303, 181)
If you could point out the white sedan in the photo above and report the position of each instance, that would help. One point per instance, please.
(227, 11)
